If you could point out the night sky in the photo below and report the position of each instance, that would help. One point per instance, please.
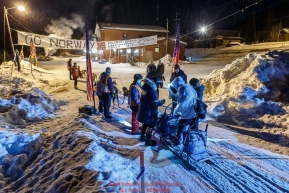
(192, 14)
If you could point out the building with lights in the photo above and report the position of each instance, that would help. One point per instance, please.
(113, 32)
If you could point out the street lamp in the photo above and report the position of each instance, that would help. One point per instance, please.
(21, 8)
(203, 29)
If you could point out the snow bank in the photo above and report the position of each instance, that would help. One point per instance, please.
(167, 59)
(250, 88)
(119, 169)
(74, 162)
(16, 150)
(20, 103)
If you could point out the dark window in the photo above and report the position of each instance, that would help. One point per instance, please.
(124, 36)
(139, 36)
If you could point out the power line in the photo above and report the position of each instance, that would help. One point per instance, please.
(241, 10)
(19, 23)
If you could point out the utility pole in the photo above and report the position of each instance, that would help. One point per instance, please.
(158, 6)
(177, 20)
(167, 38)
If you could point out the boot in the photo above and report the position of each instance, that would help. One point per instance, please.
(149, 141)
(142, 138)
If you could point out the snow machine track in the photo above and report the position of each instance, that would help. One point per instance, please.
(209, 166)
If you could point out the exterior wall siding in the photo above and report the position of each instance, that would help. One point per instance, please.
(146, 53)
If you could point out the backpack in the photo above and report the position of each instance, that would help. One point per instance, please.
(98, 88)
(86, 109)
(104, 86)
(201, 109)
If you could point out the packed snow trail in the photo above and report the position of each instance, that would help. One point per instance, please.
(235, 167)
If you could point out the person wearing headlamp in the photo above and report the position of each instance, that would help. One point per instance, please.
(186, 100)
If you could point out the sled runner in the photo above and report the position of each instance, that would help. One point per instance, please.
(193, 145)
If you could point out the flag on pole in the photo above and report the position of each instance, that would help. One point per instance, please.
(33, 53)
(175, 59)
(21, 54)
(89, 84)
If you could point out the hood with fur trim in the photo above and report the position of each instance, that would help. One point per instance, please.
(175, 84)
(151, 83)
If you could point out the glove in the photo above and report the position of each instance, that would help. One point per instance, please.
(161, 102)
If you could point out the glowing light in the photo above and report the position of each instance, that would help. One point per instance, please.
(128, 51)
(114, 50)
(136, 51)
(21, 8)
(203, 29)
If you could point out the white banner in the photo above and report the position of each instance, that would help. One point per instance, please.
(25, 38)
(151, 40)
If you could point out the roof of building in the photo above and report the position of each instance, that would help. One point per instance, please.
(224, 30)
(115, 26)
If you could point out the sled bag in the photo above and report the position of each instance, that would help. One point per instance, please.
(86, 109)
(195, 143)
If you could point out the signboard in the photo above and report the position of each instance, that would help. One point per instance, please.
(25, 38)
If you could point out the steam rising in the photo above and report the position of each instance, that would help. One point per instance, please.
(65, 27)
(107, 11)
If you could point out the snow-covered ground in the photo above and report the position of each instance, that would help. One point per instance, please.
(46, 146)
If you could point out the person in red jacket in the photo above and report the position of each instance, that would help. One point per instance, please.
(75, 75)
(134, 101)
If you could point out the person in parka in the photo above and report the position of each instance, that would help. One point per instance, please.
(195, 83)
(107, 92)
(185, 108)
(148, 108)
(99, 93)
(161, 71)
(153, 75)
(134, 102)
(178, 72)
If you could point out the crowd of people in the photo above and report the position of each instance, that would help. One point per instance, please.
(143, 97)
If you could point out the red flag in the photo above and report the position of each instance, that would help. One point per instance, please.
(175, 59)
(89, 84)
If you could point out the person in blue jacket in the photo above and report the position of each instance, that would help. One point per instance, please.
(134, 97)
(199, 88)
(148, 109)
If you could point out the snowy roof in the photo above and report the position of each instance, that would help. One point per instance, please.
(115, 26)
(224, 30)
(174, 39)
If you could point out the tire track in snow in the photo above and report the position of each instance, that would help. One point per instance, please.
(245, 172)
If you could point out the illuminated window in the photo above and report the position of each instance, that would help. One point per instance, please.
(124, 36)
(157, 50)
(136, 52)
(141, 51)
(122, 52)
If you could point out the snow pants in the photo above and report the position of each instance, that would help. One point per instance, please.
(134, 123)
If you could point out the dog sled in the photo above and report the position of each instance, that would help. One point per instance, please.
(193, 143)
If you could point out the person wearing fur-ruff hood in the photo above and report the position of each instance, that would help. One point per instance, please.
(148, 108)
(186, 97)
